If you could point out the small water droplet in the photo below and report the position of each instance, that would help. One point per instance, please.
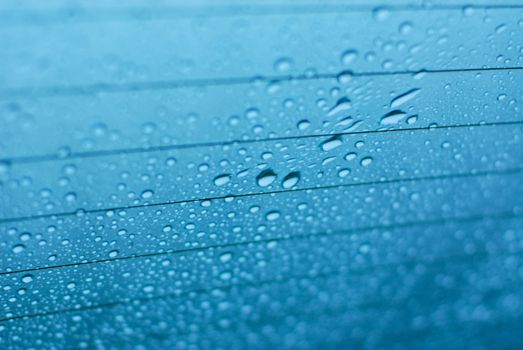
(273, 215)
(27, 279)
(345, 76)
(225, 257)
(406, 28)
(366, 161)
(350, 156)
(303, 124)
(343, 172)
(380, 13)
(4, 166)
(349, 56)
(148, 289)
(283, 64)
(17, 249)
(147, 194)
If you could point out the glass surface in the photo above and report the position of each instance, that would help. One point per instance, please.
(266, 174)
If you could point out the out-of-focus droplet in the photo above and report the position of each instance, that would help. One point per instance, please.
(272, 215)
(283, 64)
(225, 257)
(17, 249)
(380, 13)
(349, 56)
(345, 76)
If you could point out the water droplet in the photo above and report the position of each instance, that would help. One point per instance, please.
(331, 143)
(252, 113)
(405, 28)
(233, 120)
(17, 249)
(303, 124)
(393, 117)
(366, 161)
(273, 215)
(113, 253)
(468, 10)
(147, 194)
(343, 172)
(349, 56)
(225, 276)
(404, 98)
(343, 104)
(225, 257)
(380, 13)
(170, 161)
(265, 178)
(412, 119)
(4, 167)
(350, 156)
(283, 64)
(27, 279)
(70, 197)
(221, 180)
(291, 179)
(345, 76)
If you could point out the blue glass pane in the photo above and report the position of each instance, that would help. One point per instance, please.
(272, 174)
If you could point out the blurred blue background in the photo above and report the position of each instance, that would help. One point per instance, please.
(266, 174)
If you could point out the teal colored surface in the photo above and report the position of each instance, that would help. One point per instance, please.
(280, 174)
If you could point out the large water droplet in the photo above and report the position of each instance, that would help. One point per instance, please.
(331, 143)
(342, 105)
(291, 179)
(393, 117)
(223, 179)
(266, 177)
(404, 98)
